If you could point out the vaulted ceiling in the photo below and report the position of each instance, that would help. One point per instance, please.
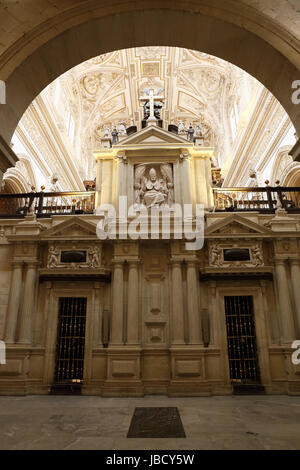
(64, 124)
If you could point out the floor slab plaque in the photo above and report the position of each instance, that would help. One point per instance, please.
(156, 422)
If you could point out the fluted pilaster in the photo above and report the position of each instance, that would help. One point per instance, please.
(133, 303)
(14, 302)
(295, 278)
(28, 303)
(177, 297)
(193, 303)
(284, 301)
(117, 321)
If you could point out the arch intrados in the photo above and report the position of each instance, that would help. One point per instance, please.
(146, 28)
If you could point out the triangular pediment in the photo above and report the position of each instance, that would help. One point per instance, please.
(72, 228)
(235, 225)
(152, 135)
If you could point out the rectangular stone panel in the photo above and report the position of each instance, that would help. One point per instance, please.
(188, 368)
(156, 422)
(11, 368)
(123, 368)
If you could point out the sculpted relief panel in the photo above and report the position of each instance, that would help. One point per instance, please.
(60, 256)
(217, 255)
(153, 184)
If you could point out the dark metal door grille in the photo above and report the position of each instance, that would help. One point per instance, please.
(241, 340)
(70, 340)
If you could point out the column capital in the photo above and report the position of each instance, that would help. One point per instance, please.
(17, 263)
(118, 263)
(279, 261)
(212, 285)
(176, 261)
(184, 156)
(192, 262)
(133, 262)
(294, 261)
(32, 264)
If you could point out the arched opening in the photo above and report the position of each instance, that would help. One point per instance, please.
(235, 114)
(269, 56)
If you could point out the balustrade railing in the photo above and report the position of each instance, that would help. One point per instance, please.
(44, 204)
(264, 199)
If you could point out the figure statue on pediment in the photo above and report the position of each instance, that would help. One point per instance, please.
(122, 129)
(53, 257)
(114, 136)
(198, 132)
(106, 132)
(181, 128)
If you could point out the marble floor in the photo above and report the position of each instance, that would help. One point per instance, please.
(79, 422)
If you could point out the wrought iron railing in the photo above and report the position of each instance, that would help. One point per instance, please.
(264, 199)
(47, 204)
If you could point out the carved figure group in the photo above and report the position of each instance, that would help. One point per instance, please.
(154, 191)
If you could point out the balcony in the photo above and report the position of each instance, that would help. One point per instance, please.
(46, 204)
(264, 200)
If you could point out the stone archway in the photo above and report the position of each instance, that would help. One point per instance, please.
(243, 37)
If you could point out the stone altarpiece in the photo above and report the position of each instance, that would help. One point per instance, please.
(155, 318)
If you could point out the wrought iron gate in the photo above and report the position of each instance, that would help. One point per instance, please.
(70, 340)
(241, 340)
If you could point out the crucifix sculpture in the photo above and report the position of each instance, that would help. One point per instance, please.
(151, 107)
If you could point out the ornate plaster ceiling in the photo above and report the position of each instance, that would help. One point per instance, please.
(105, 91)
(64, 124)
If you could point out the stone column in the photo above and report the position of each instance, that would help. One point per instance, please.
(28, 303)
(214, 323)
(133, 303)
(122, 175)
(117, 304)
(192, 303)
(177, 297)
(295, 278)
(98, 183)
(272, 317)
(14, 301)
(185, 179)
(284, 302)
